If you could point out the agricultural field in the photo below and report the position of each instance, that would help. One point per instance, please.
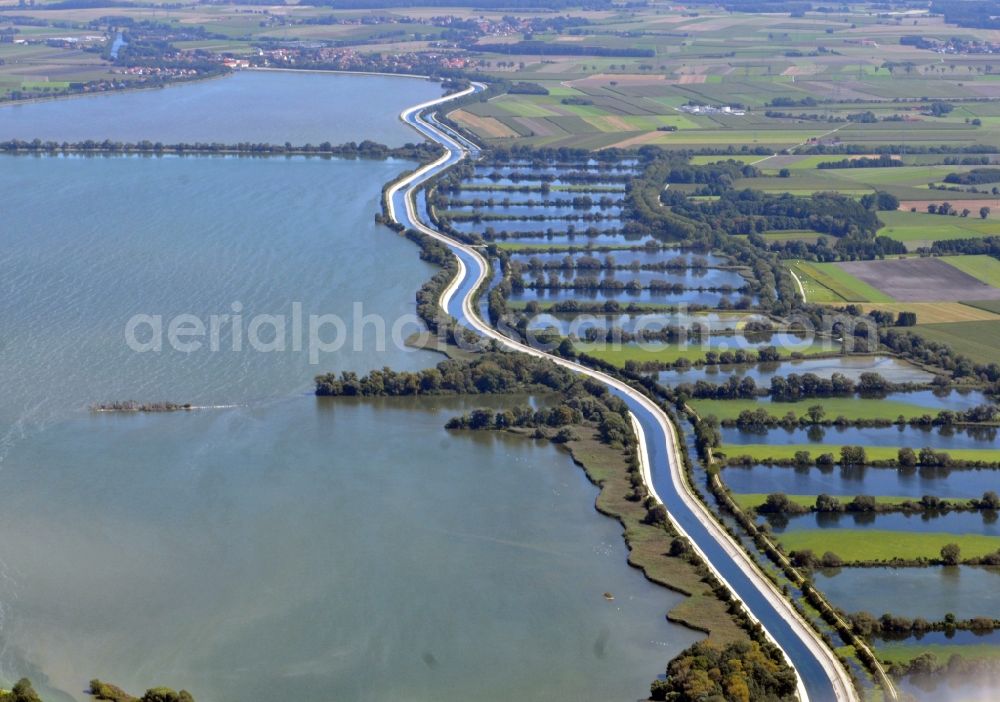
(922, 279)
(851, 408)
(829, 282)
(978, 341)
(985, 269)
(920, 229)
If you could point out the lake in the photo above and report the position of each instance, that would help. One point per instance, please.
(283, 547)
(252, 106)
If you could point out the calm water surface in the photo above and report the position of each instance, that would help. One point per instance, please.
(940, 482)
(931, 592)
(272, 107)
(284, 548)
(892, 369)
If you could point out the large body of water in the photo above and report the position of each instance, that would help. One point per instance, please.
(272, 107)
(285, 547)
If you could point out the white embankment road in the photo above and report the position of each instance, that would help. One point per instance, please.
(821, 677)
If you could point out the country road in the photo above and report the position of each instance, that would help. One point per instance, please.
(821, 678)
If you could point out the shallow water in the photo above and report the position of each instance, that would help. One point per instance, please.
(687, 297)
(286, 547)
(981, 523)
(625, 258)
(578, 324)
(688, 277)
(355, 546)
(891, 369)
(251, 106)
(848, 482)
(914, 437)
(932, 592)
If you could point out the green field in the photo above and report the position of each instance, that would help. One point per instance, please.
(982, 268)
(763, 453)
(854, 545)
(977, 340)
(916, 229)
(849, 407)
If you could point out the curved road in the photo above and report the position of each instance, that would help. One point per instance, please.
(821, 678)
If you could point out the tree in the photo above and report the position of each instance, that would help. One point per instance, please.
(24, 692)
(802, 458)
(950, 554)
(907, 457)
(984, 212)
(827, 503)
(816, 413)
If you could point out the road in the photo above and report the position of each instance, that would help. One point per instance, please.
(821, 678)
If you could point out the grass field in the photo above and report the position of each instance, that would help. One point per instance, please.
(983, 268)
(979, 341)
(916, 229)
(764, 453)
(849, 407)
(855, 545)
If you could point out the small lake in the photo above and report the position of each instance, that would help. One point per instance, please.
(578, 324)
(252, 106)
(980, 523)
(688, 277)
(933, 400)
(862, 480)
(689, 297)
(516, 210)
(931, 592)
(914, 437)
(516, 196)
(560, 229)
(481, 180)
(892, 369)
(625, 257)
(559, 169)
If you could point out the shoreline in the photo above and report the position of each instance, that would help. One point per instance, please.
(840, 684)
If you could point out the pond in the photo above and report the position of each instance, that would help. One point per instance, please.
(914, 437)
(687, 297)
(518, 210)
(626, 258)
(892, 369)
(862, 480)
(578, 324)
(930, 592)
(984, 523)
